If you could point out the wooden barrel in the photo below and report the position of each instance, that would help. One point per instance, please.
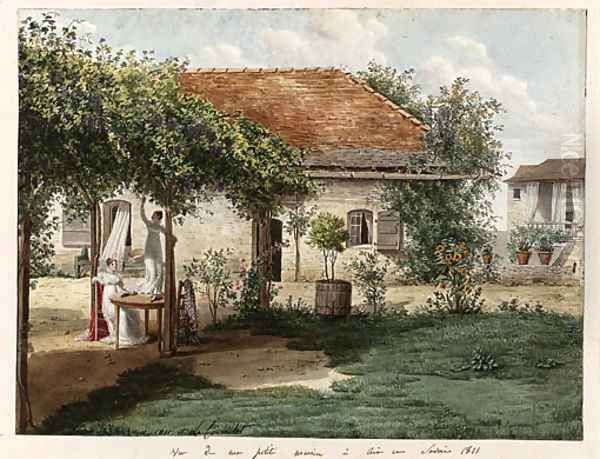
(333, 299)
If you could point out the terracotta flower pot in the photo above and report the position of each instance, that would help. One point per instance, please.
(545, 257)
(487, 258)
(523, 257)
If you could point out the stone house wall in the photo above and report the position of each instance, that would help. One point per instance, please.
(219, 226)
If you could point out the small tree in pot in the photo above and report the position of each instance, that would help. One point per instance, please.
(328, 234)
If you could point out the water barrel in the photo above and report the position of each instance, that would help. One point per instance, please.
(333, 298)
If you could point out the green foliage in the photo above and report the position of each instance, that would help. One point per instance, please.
(544, 245)
(368, 270)
(483, 361)
(210, 271)
(458, 291)
(521, 239)
(462, 140)
(547, 363)
(174, 141)
(516, 307)
(396, 85)
(42, 250)
(260, 170)
(328, 234)
(247, 303)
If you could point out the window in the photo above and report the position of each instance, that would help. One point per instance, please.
(75, 231)
(516, 194)
(360, 224)
(389, 231)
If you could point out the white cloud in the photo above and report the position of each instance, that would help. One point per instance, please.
(469, 58)
(219, 55)
(332, 38)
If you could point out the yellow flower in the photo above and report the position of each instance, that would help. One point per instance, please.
(448, 257)
(457, 256)
(462, 245)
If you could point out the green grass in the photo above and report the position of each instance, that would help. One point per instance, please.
(409, 381)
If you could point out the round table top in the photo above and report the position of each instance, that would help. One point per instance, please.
(138, 301)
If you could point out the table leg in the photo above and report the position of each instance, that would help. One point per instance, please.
(159, 331)
(117, 320)
(146, 314)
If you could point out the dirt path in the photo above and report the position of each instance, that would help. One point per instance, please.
(236, 360)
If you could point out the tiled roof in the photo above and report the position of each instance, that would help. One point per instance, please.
(551, 170)
(341, 120)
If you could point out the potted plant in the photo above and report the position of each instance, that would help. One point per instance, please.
(328, 234)
(487, 254)
(520, 244)
(545, 248)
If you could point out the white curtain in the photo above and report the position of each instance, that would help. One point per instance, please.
(559, 202)
(115, 245)
(531, 199)
(578, 202)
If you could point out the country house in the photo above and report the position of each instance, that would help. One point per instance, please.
(356, 139)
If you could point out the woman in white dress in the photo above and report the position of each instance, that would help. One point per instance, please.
(153, 253)
(131, 330)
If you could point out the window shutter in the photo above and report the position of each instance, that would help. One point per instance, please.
(389, 234)
(75, 233)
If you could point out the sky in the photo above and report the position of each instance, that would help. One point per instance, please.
(532, 61)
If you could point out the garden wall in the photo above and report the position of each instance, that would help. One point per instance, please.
(547, 275)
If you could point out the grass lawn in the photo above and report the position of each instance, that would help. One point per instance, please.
(411, 379)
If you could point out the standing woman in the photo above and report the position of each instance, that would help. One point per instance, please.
(153, 253)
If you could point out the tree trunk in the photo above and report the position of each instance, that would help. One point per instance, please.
(23, 414)
(265, 257)
(170, 311)
(95, 247)
(297, 244)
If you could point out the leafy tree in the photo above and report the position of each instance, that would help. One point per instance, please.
(297, 225)
(328, 234)
(173, 141)
(38, 177)
(258, 176)
(369, 269)
(462, 140)
(80, 88)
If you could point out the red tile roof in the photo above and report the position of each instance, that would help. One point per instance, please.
(341, 120)
(551, 170)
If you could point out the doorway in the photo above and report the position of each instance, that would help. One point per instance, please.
(276, 246)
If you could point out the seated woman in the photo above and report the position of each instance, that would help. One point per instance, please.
(131, 330)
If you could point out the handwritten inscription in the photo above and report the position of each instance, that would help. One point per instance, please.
(268, 451)
(313, 452)
(436, 449)
(175, 452)
(223, 429)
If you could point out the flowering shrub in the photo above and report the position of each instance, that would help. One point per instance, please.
(458, 290)
(210, 273)
(247, 300)
(368, 271)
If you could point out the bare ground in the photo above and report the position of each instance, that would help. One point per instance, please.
(64, 370)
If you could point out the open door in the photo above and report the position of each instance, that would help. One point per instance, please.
(276, 246)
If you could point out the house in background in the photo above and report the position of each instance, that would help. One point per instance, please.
(357, 140)
(550, 195)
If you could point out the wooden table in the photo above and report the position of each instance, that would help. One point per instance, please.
(144, 303)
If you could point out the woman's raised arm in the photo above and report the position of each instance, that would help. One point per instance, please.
(143, 211)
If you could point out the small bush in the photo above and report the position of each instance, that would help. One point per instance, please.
(368, 270)
(483, 361)
(516, 307)
(211, 273)
(547, 363)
